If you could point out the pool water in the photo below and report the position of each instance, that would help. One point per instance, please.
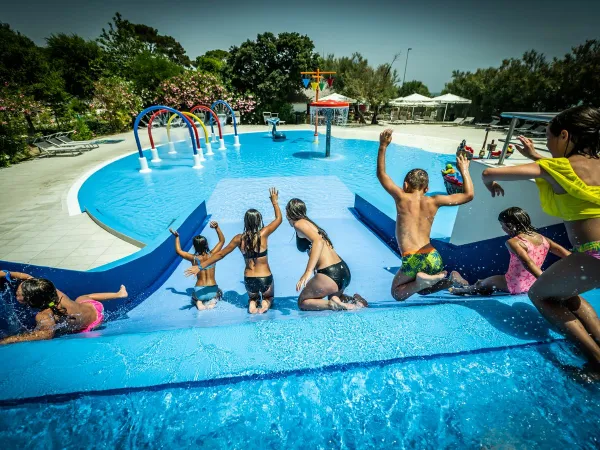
(144, 205)
(517, 398)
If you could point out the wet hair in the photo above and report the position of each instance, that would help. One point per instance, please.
(253, 223)
(200, 245)
(41, 294)
(583, 125)
(296, 210)
(417, 179)
(517, 221)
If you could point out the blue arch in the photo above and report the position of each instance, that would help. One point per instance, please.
(223, 102)
(153, 108)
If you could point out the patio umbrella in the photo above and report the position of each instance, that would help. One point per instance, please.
(414, 100)
(338, 98)
(450, 99)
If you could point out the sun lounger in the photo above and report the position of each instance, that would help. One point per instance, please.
(67, 140)
(455, 122)
(540, 130)
(55, 142)
(47, 149)
(493, 124)
(523, 129)
(266, 117)
(468, 121)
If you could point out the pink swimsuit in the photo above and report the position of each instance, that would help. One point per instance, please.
(100, 315)
(518, 278)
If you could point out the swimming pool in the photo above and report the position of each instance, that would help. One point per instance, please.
(433, 372)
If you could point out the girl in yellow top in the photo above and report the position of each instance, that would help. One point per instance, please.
(569, 185)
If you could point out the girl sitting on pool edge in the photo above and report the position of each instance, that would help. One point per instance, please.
(206, 291)
(58, 313)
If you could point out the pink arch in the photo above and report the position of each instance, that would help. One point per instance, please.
(160, 111)
(206, 108)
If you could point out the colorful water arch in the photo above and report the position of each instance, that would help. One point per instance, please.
(194, 117)
(152, 117)
(213, 118)
(236, 138)
(143, 161)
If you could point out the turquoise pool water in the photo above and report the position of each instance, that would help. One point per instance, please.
(144, 205)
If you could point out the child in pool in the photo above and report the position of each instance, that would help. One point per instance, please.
(206, 291)
(58, 313)
(422, 267)
(528, 250)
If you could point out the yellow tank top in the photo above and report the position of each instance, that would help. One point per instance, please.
(580, 202)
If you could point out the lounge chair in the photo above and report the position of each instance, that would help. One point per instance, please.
(468, 121)
(67, 140)
(457, 121)
(523, 129)
(266, 117)
(55, 142)
(281, 122)
(493, 124)
(47, 149)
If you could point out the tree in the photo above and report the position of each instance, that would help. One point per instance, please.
(147, 71)
(124, 39)
(193, 88)
(77, 62)
(116, 102)
(270, 67)
(208, 64)
(411, 87)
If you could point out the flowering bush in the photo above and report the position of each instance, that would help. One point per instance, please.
(192, 88)
(116, 102)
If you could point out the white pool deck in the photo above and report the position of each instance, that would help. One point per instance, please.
(36, 228)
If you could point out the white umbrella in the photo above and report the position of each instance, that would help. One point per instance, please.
(450, 99)
(338, 98)
(414, 100)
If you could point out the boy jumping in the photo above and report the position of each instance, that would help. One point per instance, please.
(422, 265)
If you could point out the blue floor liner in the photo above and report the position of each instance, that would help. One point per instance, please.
(164, 341)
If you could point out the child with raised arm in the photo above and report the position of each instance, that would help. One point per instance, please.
(422, 266)
(206, 291)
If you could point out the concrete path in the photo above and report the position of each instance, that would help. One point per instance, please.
(35, 226)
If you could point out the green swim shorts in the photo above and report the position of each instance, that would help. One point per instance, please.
(426, 260)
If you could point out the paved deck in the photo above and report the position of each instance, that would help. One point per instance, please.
(36, 228)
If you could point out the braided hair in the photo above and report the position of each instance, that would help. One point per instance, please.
(41, 294)
(296, 210)
(583, 126)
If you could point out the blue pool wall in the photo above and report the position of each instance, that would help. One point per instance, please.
(141, 272)
(476, 260)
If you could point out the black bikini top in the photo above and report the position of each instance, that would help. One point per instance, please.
(257, 255)
(303, 244)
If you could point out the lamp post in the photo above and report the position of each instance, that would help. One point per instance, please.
(405, 65)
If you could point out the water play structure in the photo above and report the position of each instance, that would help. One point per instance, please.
(213, 118)
(276, 135)
(221, 106)
(333, 112)
(318, 83)
(192, 117)
(144, 168)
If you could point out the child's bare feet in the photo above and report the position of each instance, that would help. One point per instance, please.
(457, 279)
(252, 309)
(360, 301)
(338, 305)
(426, 280)
(122, 292)
(200, 305)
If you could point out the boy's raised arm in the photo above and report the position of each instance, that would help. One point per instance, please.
(385, 138)
(464, 197)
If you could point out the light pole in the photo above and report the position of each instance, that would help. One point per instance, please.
(405, 65)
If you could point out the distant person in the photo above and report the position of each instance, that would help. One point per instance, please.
(569, 186)
(253, 243)
(528, 250)
(422, 266)
(326, 274)
(206, 291)
(58, 313)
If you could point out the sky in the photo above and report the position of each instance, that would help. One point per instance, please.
(444, 35)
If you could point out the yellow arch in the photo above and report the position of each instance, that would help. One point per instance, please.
(189, 114)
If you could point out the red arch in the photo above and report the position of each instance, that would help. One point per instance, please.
(160, 111)
(206, 108)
